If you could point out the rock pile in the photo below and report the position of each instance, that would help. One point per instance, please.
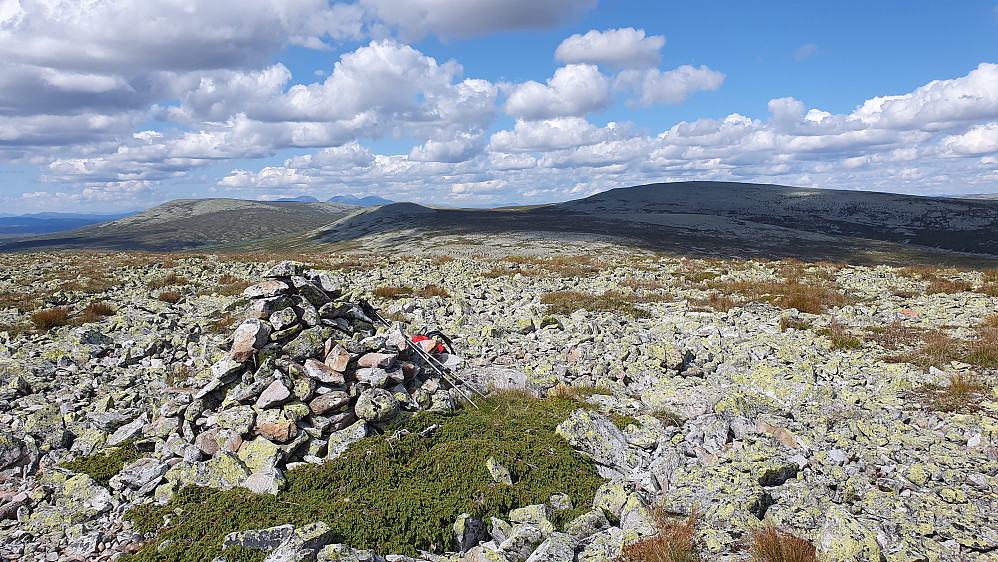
(304, 376)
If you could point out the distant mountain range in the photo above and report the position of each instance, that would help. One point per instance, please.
(187, 224)
(23, 226)
(368, 201)
(689, 218)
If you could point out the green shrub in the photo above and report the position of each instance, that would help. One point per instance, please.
(397, 495)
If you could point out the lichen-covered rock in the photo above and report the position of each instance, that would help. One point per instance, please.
(266, 289)
(46, 425)
(343, 553)
(128, 431)
(587, 524)
(521, 542)
(266, 481)
(535, 515)
(250, 336)
(239, 419)
(324, 373)
(303, 544)
(310, 343)
(329, 402)
(339, 440)
(377, 405)
(223, 471)
(260, 454)
(557, 547)
(142, 472)
(11, 448)
(259, 539)
(275, 394)
(498, 472)
(844, 537)
(596, 436)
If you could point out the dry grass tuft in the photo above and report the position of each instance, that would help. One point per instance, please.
(392, 293)
(166, 281)
(172, 297)
(674, 542)
(571, 392)
(567, 302)
(719, 302)
(840, 336)
(223, 325)
(963, 393)
(95, 311)
(896, 335)
(433, 291)
(45, 320)
(23, 302)
(786, 323)
(947, 286)
(229, 285)
(983, 350)
(812, 298)
(772, 545)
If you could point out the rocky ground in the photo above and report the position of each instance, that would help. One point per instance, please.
(854, 406)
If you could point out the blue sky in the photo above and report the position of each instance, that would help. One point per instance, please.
(114, 105)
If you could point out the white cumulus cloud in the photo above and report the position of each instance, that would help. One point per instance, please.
(614, 48)
(654, 86)
(574, 90)
(979, 140)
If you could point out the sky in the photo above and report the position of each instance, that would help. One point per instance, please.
(114, 105)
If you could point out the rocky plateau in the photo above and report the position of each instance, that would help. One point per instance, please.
(809, 395)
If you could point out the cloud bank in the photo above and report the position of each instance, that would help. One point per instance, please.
(119, 100)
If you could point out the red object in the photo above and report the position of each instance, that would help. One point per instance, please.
(421, 337)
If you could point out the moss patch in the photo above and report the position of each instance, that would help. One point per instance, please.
(396, 495)
(103, 465)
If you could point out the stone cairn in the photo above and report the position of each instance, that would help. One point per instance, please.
(306, 375)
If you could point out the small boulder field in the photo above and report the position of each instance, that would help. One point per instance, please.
(608, 407)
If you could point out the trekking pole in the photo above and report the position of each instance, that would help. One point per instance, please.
(434, 364)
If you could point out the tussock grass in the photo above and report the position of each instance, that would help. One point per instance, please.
(768, 544)
(983, 350)
(22, 301)
(230, 285)
(572, 392)
(787, 322)
(567, 302)
(45, 320)
(719, 302)
(558, 266)
(433, 291)
(840, 336)
(172, 297)
(805, 297)
(95, 311)
(172, 279)
(947, 286)
(896, 335)
(223, 325)
(938, 349)
(963, 392)
(14, 330)
(673, 542)
(392, 293)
